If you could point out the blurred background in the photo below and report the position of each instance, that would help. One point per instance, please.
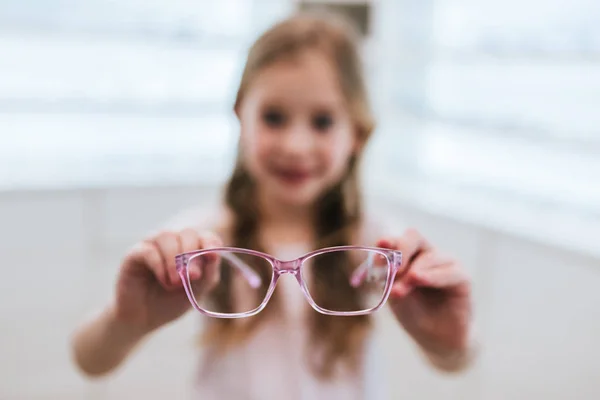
(115, 115)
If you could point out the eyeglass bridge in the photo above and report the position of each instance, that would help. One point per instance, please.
(288, 267)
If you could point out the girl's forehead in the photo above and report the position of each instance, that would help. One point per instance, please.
(307, 80)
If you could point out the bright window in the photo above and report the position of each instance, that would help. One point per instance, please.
(500, 97)
(127, 92)
(493, 97)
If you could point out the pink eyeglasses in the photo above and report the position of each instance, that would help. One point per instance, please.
(370, 271)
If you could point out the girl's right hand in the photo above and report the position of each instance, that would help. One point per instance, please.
(149, 291)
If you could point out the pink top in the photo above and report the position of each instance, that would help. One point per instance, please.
(271, 364)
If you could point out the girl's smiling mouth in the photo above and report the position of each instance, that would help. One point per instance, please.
(292, 175)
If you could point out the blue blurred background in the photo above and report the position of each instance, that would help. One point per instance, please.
(115, 114)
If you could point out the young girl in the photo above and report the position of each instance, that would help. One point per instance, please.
(305, 119)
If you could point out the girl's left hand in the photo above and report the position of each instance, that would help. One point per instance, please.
(432, 300)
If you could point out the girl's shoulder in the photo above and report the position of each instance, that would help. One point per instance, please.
(213, 217)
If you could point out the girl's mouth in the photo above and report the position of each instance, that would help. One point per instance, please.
(292, 176)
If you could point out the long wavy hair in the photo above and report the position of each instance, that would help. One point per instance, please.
(336, 340)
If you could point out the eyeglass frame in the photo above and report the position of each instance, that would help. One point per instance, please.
(280, 267)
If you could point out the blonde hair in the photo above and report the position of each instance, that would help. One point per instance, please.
(339, 211)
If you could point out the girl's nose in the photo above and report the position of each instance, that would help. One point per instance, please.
(297, 141)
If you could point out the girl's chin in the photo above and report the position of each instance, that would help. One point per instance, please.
(299, 197)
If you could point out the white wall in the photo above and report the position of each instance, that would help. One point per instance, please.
(537, 307)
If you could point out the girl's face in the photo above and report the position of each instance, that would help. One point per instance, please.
(296, 133)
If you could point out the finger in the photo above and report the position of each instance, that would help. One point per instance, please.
(411, 243)
(386, 243)
(380, 260)
(423, 260)
(194, 268)
(210, 240)
(148, 255)
(169, 246)
(401, 289)
(443, 276)
(190, 241)
(429, 259)
(210, 261)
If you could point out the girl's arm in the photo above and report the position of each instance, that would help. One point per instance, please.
(433, 301)
(101, 344)
(149, 294)
(454, 361)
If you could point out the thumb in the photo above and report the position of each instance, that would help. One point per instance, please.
(206, 240)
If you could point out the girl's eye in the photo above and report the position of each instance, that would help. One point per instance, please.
(274, 118)
(322, 122)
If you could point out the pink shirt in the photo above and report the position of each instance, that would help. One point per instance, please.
(271, 365)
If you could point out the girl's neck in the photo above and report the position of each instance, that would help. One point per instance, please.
(285, 223)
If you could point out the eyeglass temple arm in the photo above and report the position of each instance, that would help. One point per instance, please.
(251, 276)
(361, 272)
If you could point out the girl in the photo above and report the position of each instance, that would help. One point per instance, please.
(305, 119)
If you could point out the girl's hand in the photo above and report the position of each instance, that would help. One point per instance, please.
(149, 291)
(433, 299)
